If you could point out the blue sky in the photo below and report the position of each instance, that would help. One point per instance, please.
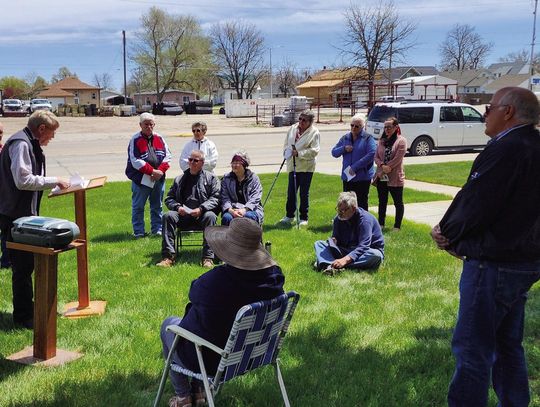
(39, 37)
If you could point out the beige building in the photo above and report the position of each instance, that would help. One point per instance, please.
(71, 90)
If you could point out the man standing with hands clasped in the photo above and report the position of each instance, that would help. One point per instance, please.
(493, 225)
(22, 182)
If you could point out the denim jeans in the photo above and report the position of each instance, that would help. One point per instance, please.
(227, 217)
(303, 182)
(487, 341)
(139, 195)
(371, 259)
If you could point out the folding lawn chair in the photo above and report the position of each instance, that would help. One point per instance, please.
(255, 340)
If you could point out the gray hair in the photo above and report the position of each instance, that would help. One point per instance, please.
(200, 153)
(146, 116)
(243, 153)
(202, 125)
(525, 104)
(45, 117)
(347, 198)
(308, 114)
(358, 117)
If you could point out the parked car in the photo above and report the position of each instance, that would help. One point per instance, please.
(389, 98)
(39, 104)
(431, 125)
(12, 107)
(170, 108)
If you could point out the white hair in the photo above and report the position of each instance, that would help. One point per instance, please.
(358, 116)
(348, 198)
(146, 116)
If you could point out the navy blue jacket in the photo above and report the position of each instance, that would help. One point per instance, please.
(496, 215)
(215, 298)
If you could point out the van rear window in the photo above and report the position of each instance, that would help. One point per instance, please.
(381, 113)
(415, 114)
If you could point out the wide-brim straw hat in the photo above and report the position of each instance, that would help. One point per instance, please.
(239, 244)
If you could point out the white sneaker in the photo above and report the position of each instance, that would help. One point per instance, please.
(303, 223)
(286, 219)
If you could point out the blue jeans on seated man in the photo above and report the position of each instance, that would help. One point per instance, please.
(139, 195)
(227, 217)
(487, 341)
(370, 259)
(179, 381)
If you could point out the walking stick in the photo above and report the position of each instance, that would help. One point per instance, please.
(295, 191)
(274, 182)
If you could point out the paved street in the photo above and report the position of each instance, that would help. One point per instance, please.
(96, 146)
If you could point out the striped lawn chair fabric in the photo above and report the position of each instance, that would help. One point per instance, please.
(255, 340)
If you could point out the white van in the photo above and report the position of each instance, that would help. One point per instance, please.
(431, 125)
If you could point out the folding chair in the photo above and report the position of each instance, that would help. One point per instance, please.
(255, 340)
(192, 237)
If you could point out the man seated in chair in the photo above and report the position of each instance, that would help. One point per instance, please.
(248, 275)
(193, 201)
(357, 241)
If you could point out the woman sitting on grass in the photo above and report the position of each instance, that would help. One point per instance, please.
(248, 275)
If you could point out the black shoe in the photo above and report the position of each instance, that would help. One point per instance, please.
(26, 324)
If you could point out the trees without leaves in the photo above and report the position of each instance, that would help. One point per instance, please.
(103, 81)
(62, 73)
(375, 34)
(238, 49)
(463, 49)
(168, 45)
(287, 78)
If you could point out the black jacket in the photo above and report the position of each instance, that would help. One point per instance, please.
(207, 192)
(496, 215)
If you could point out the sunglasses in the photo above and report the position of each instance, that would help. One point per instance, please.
(491, 107)
(193, 160)
(302, 119)
(196, 130)
(356, 126)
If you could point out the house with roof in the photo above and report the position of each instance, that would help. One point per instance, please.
(500, 69)
(403, 72)
(426, 87)
(171, 95)
(71, 90)
(520, 80)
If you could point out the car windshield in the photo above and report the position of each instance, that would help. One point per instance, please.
(11, 102)
(40, 101)
(381, 113)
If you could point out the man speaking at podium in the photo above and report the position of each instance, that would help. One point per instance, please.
(22, 182)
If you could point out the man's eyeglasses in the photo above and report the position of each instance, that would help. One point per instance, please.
(356, 126)
(196, 130)
(491, 107)
(193, 160)
(342, 211)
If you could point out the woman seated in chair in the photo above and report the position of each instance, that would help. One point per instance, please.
(248, 275)
(241, 191)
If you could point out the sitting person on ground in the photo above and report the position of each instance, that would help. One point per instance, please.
(248, 275)
(357, 241)
(241, 191)
(193, 201)
(199, 142)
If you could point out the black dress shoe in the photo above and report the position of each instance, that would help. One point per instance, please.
(27, 324)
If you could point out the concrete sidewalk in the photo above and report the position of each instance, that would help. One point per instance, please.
(424, 212)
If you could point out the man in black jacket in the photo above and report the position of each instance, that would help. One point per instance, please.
(193, 201)
(493, 224)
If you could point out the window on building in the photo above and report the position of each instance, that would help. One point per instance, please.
(93, 95)
(185, 99)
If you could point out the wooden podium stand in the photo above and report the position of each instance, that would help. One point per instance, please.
(44, 351)
(83, 307)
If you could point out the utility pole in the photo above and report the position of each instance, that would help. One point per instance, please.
(532, 44)
(271, 78)
(125, 81)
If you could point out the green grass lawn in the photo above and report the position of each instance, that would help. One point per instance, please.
(357, 339)
(451, 173)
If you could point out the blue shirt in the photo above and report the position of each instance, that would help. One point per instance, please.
(359, 233)
(360, 158)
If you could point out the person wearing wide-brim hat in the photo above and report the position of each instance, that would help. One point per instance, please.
(249, 274)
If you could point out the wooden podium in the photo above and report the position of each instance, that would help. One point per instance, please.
(44, 351)
(83, 307)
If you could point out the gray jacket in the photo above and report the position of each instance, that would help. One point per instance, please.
(206, 192)
(252, 191)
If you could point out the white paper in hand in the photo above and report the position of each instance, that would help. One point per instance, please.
(349, 173)
(147, 180)
(186, 209)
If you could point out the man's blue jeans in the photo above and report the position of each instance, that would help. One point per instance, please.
(139, 195)
(487, 341)
(370, 259)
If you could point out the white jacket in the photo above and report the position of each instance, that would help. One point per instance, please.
(206, 146)
(308, 146)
